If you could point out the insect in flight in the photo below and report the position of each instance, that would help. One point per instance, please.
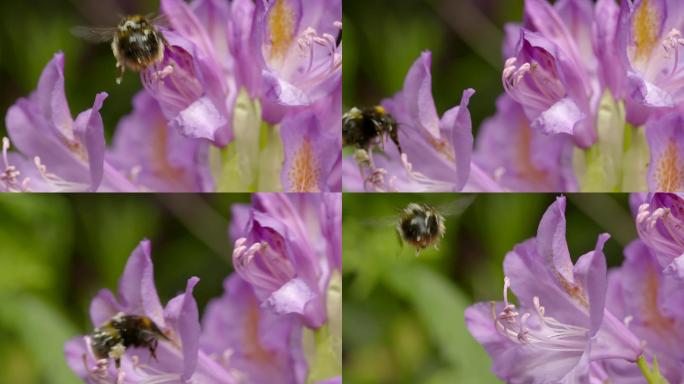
(137, 43)
(422, 225)
(113, 338)
(367, 127)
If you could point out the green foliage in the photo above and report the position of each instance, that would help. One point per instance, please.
(404, 315)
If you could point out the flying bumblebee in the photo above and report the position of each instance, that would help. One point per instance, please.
(113, 338)
(366, 127)
(136, 42)
(422, 225)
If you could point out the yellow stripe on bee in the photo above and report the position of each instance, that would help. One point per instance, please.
(380, 109)
(146, 322)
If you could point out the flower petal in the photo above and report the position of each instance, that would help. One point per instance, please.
(90, 130)
(136, 286)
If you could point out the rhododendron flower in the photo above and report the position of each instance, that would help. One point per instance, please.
(220, 111)
(57, 153)
(660, 223)
(522, 158)
(437, 152)
(561, 326)
(290, 335)
(177, 360)
(288, 249)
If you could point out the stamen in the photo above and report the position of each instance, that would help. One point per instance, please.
(673, 40)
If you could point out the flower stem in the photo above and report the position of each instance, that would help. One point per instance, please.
(652, 376)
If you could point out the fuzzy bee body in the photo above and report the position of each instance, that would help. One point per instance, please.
(125, 331)
(136, 42)
(363, 128)
(420, 225)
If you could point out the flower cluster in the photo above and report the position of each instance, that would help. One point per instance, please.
(247, 97)
(593, 102)
(278, 321)
(582, 323)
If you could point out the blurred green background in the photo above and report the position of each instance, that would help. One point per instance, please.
(403, 315)
(56, 252)
(384, 37)
(32, 31)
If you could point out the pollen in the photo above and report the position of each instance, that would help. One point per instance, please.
(380, 110)
(645, 29)
(281, 23)
(669, 175)
(303, 174)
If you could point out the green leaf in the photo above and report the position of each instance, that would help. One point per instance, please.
(441, 307)
(43, 331)
(323, 347)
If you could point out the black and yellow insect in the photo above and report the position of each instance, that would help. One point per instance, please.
(366, 127)
(113, 338)
(420, 225)
(136, 42)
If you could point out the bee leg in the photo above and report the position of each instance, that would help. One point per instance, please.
(120, 71)
(395, 138)
(153, 349)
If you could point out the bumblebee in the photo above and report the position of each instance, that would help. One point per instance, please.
(125, 331)
(421, 226)
(136, 42)
(363, 128)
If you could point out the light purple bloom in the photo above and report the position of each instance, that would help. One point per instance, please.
(660, 222)
(313, 147)
(561, 327)
(178, 360)
(437, 152)
(57, 153)
(195, 83)
(287, 251)
(521, 158)
(650, 38)
(666, 141)
(254, 344)
(650, 302)
(155, 156)
(295, 53)
(553, 72)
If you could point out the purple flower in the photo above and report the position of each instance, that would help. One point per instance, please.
(313, 148)
(561, 328)
(195, 83)
(660, 223)
(58, 153)
(294, 53)
(253, 344)
(650, 39)
(650, 302)
(521, 158)
(552, 74)
(177, 360)
(666, 168)
(287, 251)
(155, 156)
(437, 151)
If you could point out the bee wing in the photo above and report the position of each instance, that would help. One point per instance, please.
(94, 34)
(456, 207)
(160, 20)
(387, 221)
